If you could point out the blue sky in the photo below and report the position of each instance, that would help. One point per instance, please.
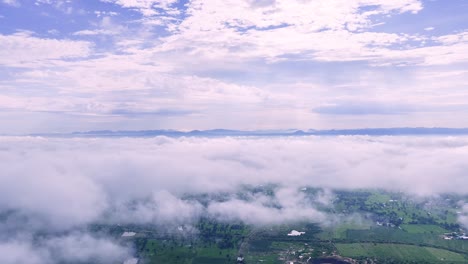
(239, 64)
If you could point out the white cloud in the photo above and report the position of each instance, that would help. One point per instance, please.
(121, 84)
(74, 247)
(23, 49)
(105, 26)
(88, 32)
(105, 13)
(453, 38)
(64, 6)
(21, 252)
(144, 180)
(161, 208)
(35, 191)
(290, 206)
(233, 64)
(463, 217)
(146, 7)
(313, 15)
(312, 30)
(14, 3)
(84, 247)
(195, 165)
(140, 87)
(295, 30)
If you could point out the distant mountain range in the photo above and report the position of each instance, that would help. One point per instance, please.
(290, 132)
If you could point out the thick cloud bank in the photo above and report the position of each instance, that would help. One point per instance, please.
(59, 186)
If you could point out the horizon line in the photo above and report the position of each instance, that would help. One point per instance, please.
(380, 131)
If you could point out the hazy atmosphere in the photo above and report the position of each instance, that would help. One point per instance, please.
(63, 185)
(245, 64)
(233, 131)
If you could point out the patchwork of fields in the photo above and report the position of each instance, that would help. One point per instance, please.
(377, 227)
(399, 252)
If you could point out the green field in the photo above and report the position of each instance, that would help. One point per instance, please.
(169, 252)
(375, 224)
(399, 252)
(421, 229)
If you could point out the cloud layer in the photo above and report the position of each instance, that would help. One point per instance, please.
(118, 64)
(87, 174)
(61, 185)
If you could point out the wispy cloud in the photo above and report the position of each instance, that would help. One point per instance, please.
(233, 64)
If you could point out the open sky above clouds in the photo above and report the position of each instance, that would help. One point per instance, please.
(241, 64)
(244, 64)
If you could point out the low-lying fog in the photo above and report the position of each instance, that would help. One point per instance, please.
(51, 189)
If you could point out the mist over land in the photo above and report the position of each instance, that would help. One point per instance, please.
(52, 190)
(124, 189)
